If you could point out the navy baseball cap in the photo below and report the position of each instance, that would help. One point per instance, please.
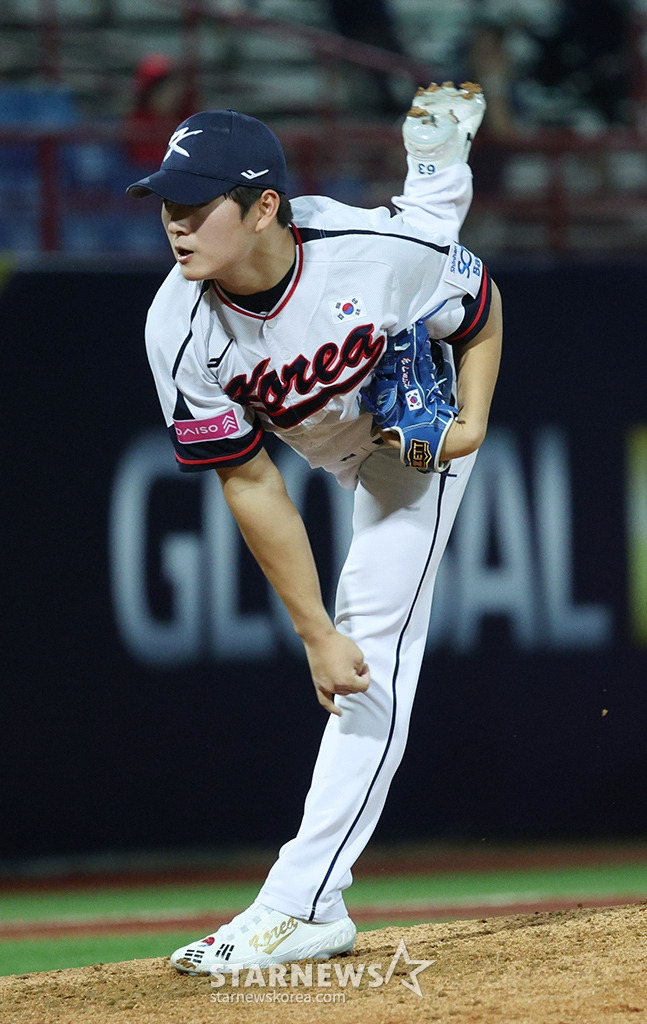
(211, 153)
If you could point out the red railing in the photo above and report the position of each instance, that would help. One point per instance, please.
(314, 152)
(331, 137)
(329, 50)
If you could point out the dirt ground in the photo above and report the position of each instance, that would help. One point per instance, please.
(570, 967)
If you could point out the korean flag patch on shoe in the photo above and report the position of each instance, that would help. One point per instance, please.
(347, 309)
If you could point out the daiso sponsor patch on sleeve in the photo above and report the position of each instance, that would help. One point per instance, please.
(190, 431)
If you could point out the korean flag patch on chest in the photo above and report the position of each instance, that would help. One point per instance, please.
(347, 309)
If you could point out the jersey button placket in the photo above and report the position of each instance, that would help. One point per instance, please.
(277, 351)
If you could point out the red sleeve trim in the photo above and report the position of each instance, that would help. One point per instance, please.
(483, 307)
(241, 455)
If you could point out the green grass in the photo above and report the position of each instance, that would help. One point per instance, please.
(451, 889)
(58, 904)
(497, 887)
(387, 895)
(29, 955)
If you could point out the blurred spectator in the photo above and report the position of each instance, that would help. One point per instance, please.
(492, 67)
(372, 22)
(589, 57)
(559, 62)
(162, 98)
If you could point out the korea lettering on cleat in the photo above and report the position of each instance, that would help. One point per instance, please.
(268, 941)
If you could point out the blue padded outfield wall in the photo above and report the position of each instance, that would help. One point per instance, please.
(153, 693)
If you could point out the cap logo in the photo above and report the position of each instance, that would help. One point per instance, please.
(176, 138)
(196, 170)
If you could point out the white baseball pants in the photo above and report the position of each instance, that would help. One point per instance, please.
(401, 524)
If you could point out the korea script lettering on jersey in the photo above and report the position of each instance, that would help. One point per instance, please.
(225, 375)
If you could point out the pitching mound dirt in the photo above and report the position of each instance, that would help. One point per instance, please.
(573, 967)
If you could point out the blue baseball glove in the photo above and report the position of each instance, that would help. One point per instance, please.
(408, 396)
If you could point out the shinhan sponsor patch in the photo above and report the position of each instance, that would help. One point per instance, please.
(464, 268)
(190, 431)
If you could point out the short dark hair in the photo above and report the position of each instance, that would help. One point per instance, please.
(245, 196)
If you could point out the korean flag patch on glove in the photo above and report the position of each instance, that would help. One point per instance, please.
(407, 396)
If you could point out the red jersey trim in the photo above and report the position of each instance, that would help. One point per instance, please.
(483, 303)
(226, 301)
(241, 453)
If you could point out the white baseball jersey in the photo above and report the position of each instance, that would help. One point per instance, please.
(226, 375)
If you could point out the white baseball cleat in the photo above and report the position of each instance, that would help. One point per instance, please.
(442, 123)
(259, 937)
